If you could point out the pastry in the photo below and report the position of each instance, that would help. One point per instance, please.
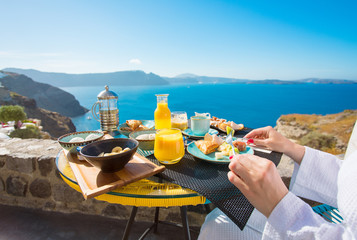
(141, 127)
(223, 123)
(206, 147)
(223, 126)
(133, 124)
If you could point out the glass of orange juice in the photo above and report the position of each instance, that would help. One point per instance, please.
(169, 147)
(179, 120)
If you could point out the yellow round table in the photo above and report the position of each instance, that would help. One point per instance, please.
(149, 192)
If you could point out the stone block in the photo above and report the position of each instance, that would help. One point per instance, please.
(41, 188)
(2, 185)
(45, 165)
(50, 206)
(2, 160)
(173, 217)
(63, 193)
(58, 175)
(22, 164)
(4, 151)
(197, 208)
(115, 210)
(16, 186)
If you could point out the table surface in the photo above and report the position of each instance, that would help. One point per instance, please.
(149, 192)
(209, 180)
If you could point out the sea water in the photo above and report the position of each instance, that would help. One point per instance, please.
(254, 105)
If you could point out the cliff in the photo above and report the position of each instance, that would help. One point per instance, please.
(329, 133)
(46, 96)
(52, 122)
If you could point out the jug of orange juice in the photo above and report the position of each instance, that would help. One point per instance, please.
(169, 147)
(162, 113)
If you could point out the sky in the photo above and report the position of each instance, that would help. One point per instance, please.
(284, 39)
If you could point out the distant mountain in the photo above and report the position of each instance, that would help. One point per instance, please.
(46, 96)
(186, 75)
(123, 78)
(194, 79)
(136, 78)
(326, 81)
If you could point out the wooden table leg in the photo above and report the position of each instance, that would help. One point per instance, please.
(130, 223)
(186, 228)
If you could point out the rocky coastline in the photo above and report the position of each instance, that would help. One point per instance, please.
(53, 123)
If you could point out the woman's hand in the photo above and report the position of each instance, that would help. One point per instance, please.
(270, 138)
(258, 179)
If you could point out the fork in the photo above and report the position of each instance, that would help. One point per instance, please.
(229, 140)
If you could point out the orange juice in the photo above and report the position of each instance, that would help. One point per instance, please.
(169, 147)
(162, 113)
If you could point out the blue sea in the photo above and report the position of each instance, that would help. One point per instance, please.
(254, 105)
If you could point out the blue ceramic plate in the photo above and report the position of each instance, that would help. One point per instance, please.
(188, 132)
(147, 123)
(194, 151)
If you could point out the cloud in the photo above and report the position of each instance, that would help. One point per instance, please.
(135, 61)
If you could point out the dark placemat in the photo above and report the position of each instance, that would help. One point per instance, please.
(211, 181)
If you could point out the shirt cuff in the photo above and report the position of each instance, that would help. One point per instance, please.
(290, 208)
(316, 177)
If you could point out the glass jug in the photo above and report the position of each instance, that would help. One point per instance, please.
(162, 113)
(108, 110)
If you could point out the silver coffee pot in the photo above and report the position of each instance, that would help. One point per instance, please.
(108, 110)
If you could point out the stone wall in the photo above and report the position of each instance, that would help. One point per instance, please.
(29, 178)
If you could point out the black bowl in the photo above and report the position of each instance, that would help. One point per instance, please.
(111, 163)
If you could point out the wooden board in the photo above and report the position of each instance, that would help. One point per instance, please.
(93, 182)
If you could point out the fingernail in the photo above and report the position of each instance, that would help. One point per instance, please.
(230, 157)
(250, 141)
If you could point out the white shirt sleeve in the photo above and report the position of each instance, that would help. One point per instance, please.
(316, 177)
(324, 178)
(292, 218)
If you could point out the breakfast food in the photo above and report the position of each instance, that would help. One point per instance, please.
(241, 146)
(91, 136)
(213, 143)
(209, 144)
(114, 151)
(150, 136)
(134, 125)
(222, 124)
(76, 140)
(226, 149)
(206, 147)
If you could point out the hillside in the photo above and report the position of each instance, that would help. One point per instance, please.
(123, 78)
(329, 133)
(52, 122)
(46, 96)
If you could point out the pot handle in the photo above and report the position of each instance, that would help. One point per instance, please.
(94, 111)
